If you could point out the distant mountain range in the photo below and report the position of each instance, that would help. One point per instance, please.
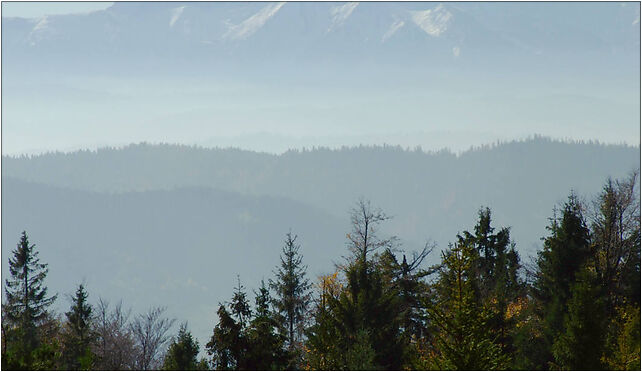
(175, 35)
(328, 73)
(174, 224)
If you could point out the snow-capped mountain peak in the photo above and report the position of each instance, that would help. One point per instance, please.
(433, 21)
(176, 14)
(340, 14)
(252, 24)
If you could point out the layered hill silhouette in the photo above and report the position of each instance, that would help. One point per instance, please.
(175, 224)
(171, 248)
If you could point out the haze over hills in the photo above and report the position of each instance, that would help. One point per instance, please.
(124, 214)
(283, 31)
(324, 74)
(167, 147)
(171, 248)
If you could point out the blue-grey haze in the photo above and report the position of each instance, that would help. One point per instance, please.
(273, 76)
(173, 225)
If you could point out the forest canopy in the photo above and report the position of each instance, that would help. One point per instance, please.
(575, 306)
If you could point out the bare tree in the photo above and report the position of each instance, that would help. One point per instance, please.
(115, 344)
(365, 221)
(151, 335)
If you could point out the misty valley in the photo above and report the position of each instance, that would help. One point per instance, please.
(394, 185)
(372, 257)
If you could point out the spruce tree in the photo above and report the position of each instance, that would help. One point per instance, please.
(229, 343)
(581, 344)
(464, 340)
(496, 281)
(27, 302)
(182, 352)
(292, 290)
(265, 344)
(79, 334)
(239, 305)
(367, 305)
(405, 280)
(323, 344)
(566, 250)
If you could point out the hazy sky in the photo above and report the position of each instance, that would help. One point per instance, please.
(40, 8)
(268, 76)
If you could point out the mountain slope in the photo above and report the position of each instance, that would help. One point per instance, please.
(180, 248)
(307, 31)
(432, 195)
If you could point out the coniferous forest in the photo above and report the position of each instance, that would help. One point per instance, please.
(575, 306)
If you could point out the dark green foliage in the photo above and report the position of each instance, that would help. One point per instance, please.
(226, 346)
(532, 348)
(495, 278)
(465, 339)
(47, 356)
(323, 351)
(366, 312)
(361, 356)
(255, 345)
(615, 240)
(292, 290)
(565, 251)
(624, 340)
(580, 345)
(492, 250)
(580, 308)
(239, 305)
(363, 315)
(182, 352)
(265, 343)
(26, 302)
(406, 280)
(78, 335)
(229, 343)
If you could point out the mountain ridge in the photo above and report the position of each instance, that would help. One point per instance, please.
(450, 187)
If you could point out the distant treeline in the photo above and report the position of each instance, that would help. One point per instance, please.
(436, 189)
(576, 306)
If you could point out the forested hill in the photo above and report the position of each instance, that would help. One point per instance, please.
(432, 195)
(165, 224)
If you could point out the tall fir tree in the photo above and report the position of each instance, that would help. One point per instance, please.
(26, 303)
(79, 334)
(566, 250)
(580, 346)
(229, 343)
(365, 311)
(292, 290)
(496, 281)
(239, 305)
(464, 337)
(182, 353)
(265, 343)
(405, 280)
